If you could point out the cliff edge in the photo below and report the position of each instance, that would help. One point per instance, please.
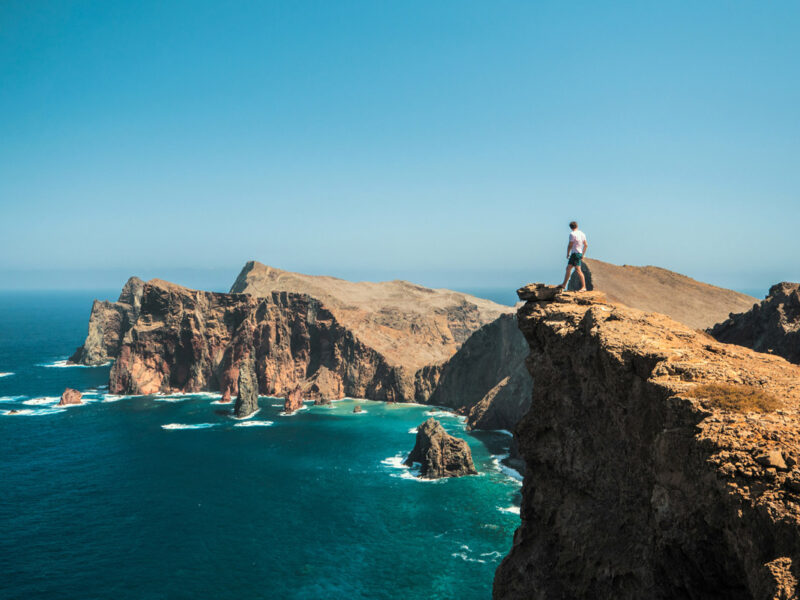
(645, 478)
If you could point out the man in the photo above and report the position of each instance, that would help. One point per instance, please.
(576, 250)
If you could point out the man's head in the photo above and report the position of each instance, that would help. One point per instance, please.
(573, 225)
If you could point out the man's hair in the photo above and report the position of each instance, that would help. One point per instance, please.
(573, 225)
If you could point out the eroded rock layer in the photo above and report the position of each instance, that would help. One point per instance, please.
(188, 340)
(771, 326)
(634, 488)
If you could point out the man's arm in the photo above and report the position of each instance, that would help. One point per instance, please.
(585, 247)
(569, 245)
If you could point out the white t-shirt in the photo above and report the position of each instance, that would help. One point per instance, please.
(576, 241)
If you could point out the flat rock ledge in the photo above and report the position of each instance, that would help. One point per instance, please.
(439, 453)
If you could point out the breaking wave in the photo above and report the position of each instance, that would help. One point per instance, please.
(184, 426)
(254, 424)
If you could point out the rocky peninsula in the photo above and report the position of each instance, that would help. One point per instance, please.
(661, 463)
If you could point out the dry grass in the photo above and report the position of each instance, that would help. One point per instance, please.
(739, 398)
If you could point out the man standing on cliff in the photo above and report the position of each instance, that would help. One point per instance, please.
(576, 250)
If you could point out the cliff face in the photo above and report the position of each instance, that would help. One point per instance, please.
(487, 377)
(771, 326)
(108, 324)
(410, 326)
(636, 489)
(188, 340)
(691, 302)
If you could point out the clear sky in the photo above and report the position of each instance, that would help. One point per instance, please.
(447, 143)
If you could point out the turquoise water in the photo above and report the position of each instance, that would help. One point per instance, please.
(120, 498)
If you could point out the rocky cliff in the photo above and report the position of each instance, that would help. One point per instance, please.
(771, 326)
(487, 378)
(440, 454)
(108, 324)
(410, 326)
(189, 340)
(651, 472)
(247, 384)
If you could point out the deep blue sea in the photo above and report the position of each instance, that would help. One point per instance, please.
(169, 497)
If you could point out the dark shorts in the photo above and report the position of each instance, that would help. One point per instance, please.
(575, 259)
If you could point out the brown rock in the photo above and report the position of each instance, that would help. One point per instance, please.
(108, 324)
(772, 326)
(635, 489)
(439, 453)
(189, 341)
(226, 397)
(771, 459)
(538, 291)
(69, 397)
(357, 408)
(294, 401)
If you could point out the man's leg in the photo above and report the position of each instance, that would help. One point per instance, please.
(566, 277)
(579, 271)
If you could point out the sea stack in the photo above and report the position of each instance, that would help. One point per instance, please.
(247, 399)
(439, 453)
(294, 401)
(358, 409)
(70, 397)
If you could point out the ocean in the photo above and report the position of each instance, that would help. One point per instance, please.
(169, 497)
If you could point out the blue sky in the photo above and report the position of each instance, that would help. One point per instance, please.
(447, 143)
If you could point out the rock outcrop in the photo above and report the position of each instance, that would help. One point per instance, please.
(190, 341)
(639, 484)
(247, 393)
(771, 326)
(293, 401)
(108, 324)
(487, 378)
(412, 328)
(440, 454)
(654, 289)
(70, 397)
(357, 409)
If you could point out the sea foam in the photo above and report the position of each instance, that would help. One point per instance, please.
(42, 401)
(64, 364)
(184, 426)
(254, 424)
(5, 374)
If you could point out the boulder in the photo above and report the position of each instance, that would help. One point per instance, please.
(538, 291)
(439, 453)
(358, 409)
(70, 397)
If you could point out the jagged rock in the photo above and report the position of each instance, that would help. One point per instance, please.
(226, 397)
(69, 397)
(14, 411)
(636, 489)
(247, 393)
(771, 326)
(771, 459)
(439, 453)
(293, 401)
(357, 409)
(538, 291)
(108, 324)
